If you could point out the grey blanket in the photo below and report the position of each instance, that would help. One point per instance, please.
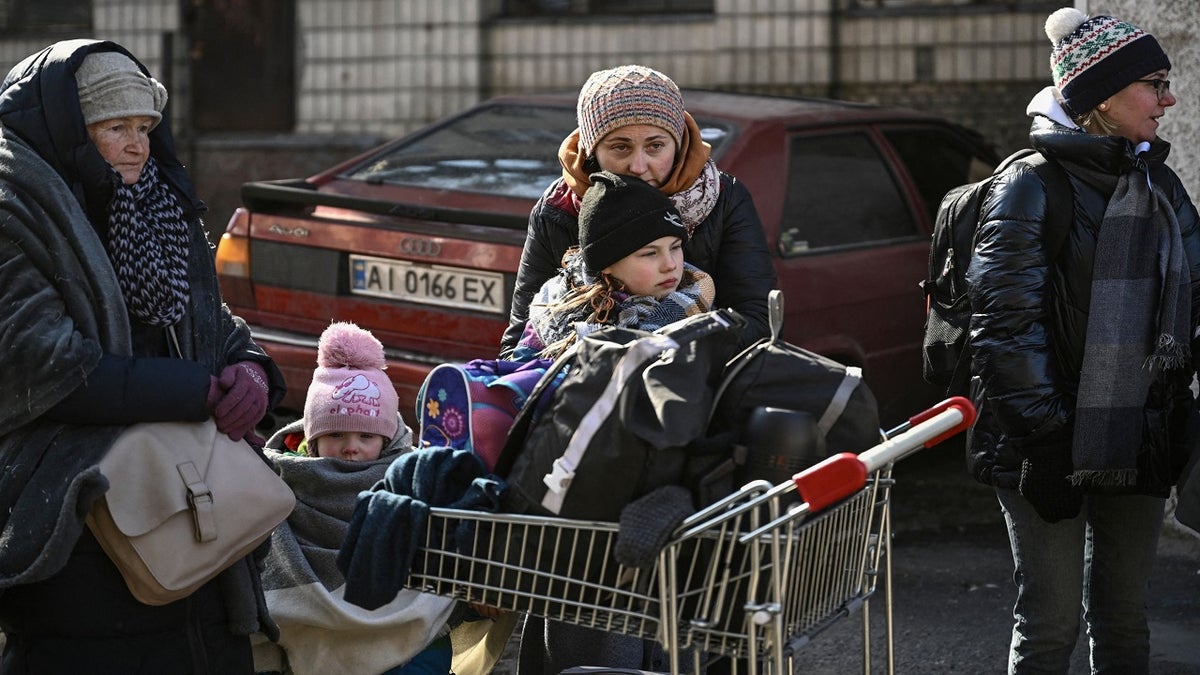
(319, 631)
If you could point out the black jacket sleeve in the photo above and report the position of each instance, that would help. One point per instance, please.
(1010, 335)
(130, 389)
(550, 233)
(741, 265)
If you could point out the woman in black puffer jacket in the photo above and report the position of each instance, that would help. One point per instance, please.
(632, 122)
(1083, 362)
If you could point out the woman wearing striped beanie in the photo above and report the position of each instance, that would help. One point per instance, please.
(1084, 357)
(632, 122)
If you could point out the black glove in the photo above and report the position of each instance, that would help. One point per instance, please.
(1044, 484)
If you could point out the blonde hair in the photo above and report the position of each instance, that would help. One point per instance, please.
(1096, 122)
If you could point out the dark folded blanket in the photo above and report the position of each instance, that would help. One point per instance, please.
(389, 521)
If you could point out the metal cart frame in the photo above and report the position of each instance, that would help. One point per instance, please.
(754, 576)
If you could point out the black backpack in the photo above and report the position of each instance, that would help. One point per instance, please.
(621, 421)
(948, 309)
(790, 408)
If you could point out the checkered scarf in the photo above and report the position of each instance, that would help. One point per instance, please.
(549, 324)
(1138, 326)
(148, 247)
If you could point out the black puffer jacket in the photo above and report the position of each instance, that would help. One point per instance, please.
(729, 244)
(1030, 320)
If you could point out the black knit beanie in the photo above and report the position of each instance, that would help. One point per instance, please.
(621, 214)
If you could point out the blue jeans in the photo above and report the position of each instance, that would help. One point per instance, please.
(1100, 562)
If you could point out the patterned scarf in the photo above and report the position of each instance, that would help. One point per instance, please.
(548, 325)
(1138, 326)
(693, 186)
(148, 247)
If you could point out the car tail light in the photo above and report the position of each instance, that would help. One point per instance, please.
(233, 256)
(233, 263)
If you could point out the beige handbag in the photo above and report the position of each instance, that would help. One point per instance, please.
(184, 502)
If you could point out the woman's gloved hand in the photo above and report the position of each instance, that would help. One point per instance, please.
(237, 400)
(1045, 484)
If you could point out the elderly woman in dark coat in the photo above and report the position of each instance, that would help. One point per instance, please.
(632, 122)
(112, 317)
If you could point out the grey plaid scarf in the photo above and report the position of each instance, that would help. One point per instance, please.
(1138, 326)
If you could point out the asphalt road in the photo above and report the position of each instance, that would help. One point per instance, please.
(953, 591)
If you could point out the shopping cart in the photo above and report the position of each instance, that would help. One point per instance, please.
(753, 577)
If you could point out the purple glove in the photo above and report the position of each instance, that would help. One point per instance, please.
(239, 400)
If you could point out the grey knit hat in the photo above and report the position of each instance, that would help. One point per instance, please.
(617, 97)
(111, 85)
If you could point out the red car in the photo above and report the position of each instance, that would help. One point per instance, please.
(419, 239)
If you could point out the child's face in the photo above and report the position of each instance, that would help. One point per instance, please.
(654, 269)
(353, 446)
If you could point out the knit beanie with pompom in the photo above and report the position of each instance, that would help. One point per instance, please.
(1094, 58)
(349, 390)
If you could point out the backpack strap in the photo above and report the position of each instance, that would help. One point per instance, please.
(841, 397)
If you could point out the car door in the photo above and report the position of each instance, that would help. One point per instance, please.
(853, 246)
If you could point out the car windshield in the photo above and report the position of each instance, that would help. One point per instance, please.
(506, 150)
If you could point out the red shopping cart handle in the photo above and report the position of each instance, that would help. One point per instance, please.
(963, 404)
(844, 474)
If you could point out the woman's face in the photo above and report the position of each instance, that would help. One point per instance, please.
(641, 150)
(654, 269)
(1136, 109)
(351, 446)
(123, 142)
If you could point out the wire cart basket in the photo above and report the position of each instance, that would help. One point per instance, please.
(754, 576)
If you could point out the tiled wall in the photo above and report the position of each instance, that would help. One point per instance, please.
(385, 67)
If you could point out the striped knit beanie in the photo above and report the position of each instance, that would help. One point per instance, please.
(613, 98)
(1094, 58)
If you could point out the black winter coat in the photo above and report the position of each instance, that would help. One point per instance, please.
(1030, 318)
(729, 244)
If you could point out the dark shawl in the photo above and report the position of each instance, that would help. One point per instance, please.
(62, 310)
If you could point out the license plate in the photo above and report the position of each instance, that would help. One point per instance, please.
(427, 284)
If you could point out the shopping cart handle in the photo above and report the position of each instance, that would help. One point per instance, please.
(844, 474)
(831, 480)
(962, 404)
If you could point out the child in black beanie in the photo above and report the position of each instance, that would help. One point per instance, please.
(627, 271)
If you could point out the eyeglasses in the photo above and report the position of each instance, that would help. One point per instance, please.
(1161, 87)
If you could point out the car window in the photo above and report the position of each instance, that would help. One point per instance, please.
(840, 192)
(508, 150)
(937, 161)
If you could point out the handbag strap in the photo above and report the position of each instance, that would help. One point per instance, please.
(200, 502)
